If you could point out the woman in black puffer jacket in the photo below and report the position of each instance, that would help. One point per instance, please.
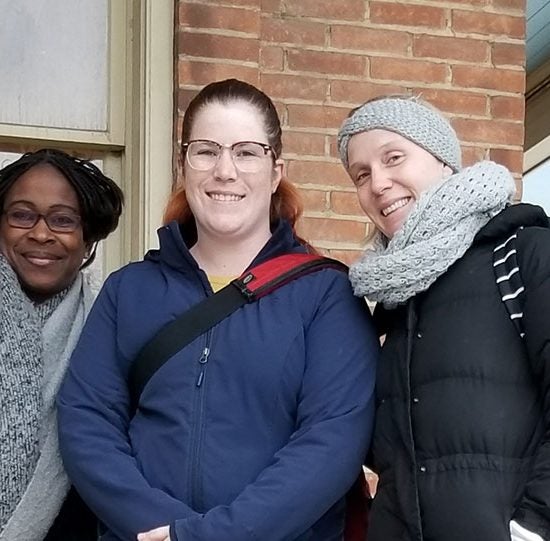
(462, 440)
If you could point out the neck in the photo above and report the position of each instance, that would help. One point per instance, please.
(217, 256)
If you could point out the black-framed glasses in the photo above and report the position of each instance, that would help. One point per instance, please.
(57, 221)
(248, 156)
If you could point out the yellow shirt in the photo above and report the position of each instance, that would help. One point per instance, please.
(219, 282)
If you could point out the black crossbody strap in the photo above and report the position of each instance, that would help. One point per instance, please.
(252, 285)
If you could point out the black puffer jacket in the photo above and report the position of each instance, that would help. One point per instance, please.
(462, 436)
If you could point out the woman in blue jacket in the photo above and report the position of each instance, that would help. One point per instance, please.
(257, 428)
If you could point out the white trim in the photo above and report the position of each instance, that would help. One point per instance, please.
(536, 154)
(148, 152)
(159, 110)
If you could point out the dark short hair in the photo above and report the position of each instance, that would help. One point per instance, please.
(99, 198)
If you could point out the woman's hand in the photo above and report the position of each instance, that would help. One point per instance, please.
(158, 534)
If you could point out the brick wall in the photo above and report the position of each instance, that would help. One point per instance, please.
(318, 58)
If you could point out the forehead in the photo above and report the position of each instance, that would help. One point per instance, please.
(228, 123)
(374, 139)
(43, 186)
(372, 142)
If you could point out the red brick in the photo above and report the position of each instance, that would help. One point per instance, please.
(358, 91)
(488, 78)
(271, 6)
(325, 9)
(325, 62)
(272, 58)
(316, 116)
(508, 108)
(294, 31)
(407, 70)
(345, 203)
(483, 99)
(333, 146)
(225, 18)
(519, 188)
(496, 132)
(281, 111)
(201, 73)
(516, 5)
(216, 46)
(314, 200)
(368, 39)
(512, 54)
(332, 229)
(303, 144)
(478, 22)
(473, 3)
(318, 172)
(455, 101)
(407, 14)
(295, 86)
(244, 3)
(512, 159)
(473, 154)
(465, 49)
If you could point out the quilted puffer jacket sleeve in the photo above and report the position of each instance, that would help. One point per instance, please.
(533, 511)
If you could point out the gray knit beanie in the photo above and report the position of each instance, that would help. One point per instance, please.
(409, 117)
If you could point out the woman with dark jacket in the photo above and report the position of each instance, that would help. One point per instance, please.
(256, 429)
(462, 432)
(54, 209)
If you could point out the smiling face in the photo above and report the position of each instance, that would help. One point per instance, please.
(226, 202)
(390, 172)
(45, 262)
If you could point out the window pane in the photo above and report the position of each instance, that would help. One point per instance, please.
(536, 186)
(53, 63)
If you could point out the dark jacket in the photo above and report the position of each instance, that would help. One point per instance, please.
(75, 521)
(254, 431)
(462, 439)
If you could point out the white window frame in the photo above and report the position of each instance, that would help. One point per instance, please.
(136, 148)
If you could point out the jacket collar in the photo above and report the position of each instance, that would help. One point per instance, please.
(174, 252)
(509, 220)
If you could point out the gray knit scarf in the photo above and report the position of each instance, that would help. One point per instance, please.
(437, 232)
(33, 360)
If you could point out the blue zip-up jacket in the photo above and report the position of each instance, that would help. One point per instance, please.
(254, 431)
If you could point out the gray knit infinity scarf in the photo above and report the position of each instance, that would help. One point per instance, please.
(35, 348)
(437, 232)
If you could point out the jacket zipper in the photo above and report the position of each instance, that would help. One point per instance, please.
(203, 359)
(197, 433)
(411, 325)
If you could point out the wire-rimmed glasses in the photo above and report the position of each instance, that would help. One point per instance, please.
(248, 156)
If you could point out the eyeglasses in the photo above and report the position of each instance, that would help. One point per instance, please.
(248, 156)
(58, 222)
